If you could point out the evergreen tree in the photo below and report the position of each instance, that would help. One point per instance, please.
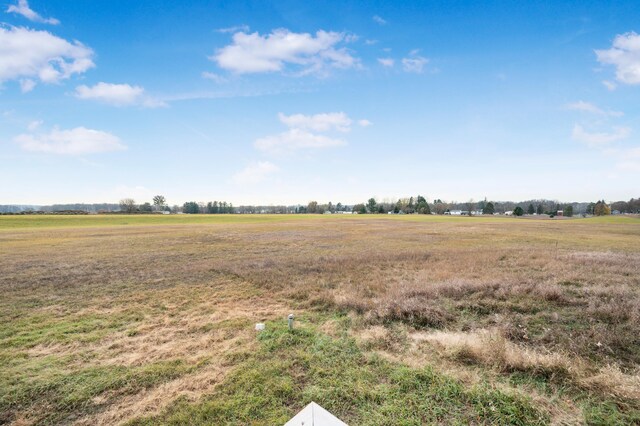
(489, 208)
(371, 205)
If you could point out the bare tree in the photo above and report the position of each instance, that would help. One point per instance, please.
(159, 202)
(471, 206)
(128, 205)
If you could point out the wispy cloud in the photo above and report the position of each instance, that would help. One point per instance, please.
(77, 141)
(118, 95)
(624, 54)
(386, 62)
(29, 55)
(308, 132)
(27, 85)
(255, 172)
(274, 52)
(238, 28)
(414, 64)
(22, 8)
(214, 77)
(588, 107)
(595, 139)
(379, 20)
(294, 140)
(318, 122)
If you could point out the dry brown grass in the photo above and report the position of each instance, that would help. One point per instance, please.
(490, 348)
(531, 296)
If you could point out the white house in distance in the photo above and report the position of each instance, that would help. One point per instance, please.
(314, 415)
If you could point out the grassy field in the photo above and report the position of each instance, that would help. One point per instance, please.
(402, 320)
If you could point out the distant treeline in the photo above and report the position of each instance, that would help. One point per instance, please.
(408, 205)
(88, 208)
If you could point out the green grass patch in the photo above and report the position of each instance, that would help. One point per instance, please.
(33, 330)
(10, 222)
(291, 369)
(59, 392)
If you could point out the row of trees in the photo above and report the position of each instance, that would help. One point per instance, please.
(631, 206)
(215, 207)
(410, 205)
(419, 205)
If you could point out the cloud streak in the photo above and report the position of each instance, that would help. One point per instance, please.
(22, 8)
(599, 138)
(117, 95)
(587, 107)
(77, 141)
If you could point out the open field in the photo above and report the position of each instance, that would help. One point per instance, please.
(400, 320)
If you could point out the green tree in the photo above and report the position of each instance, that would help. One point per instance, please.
(422, 207)
(146, 207)
(191, 207)
(568, 211)
(371, 205)
(359, 208)
(518, 211)
(489, 208)
(540, 209)
(531, 209)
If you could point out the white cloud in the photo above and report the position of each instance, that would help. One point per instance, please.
(117, 94)
(415, 64)
(318, 122)
(386, 62)
(611, 86)
(31, 54)
(625, 56)
(378, 20)
(305, 132)
(243, 28)
(254, 53)
(214, 77)
(255, 172)
(33, 126)
(76, 141)
(583, 106)
(22, 8)
(27, 85)
(598, 139)
(295, 139)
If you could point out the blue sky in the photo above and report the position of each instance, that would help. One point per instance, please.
(269, 103)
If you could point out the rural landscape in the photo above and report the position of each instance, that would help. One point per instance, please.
(290, 213)
(149, 319)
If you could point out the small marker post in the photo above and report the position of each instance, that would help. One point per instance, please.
(290, 317)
